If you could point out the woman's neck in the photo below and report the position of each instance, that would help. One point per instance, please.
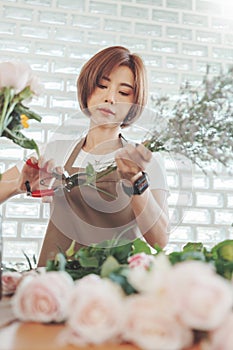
(102, 141)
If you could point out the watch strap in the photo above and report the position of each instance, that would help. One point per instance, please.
(139, 186)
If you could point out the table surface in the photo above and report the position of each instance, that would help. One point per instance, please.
(15, 335)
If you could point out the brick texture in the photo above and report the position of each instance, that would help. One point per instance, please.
(176, 38)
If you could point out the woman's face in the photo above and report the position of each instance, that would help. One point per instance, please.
(112, 98)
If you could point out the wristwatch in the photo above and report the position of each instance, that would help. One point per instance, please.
(139, 186)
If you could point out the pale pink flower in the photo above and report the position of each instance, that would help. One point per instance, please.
(221, 338)
(96, 312)
(152, 280)
(10, 281)
(140, 260)
(153, 326)
(202, 298)
(43, 298)
(17, 75)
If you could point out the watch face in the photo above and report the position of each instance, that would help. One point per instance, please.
(141, 184)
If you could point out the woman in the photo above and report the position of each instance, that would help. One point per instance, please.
(112, 93)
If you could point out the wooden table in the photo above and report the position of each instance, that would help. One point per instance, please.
(15, 335)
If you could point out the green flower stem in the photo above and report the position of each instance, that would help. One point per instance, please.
(100, 190)
(7, 95)
(107, 171)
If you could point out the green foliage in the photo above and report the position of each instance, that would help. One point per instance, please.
(11, 110)
(108, 259)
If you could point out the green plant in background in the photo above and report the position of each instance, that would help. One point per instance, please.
(110, 259)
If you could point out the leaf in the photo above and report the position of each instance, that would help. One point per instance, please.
(141, 246)
(21, 109)
(70, 251)
(28, 260)
(192, 255)
(193, 247)
(122, 251)
(90, 169)
(224, 250)
(119, 278)
(61, 261)
(88, 261)
(21, 140)
(175, 257)
(110, 265)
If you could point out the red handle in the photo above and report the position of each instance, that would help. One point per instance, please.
(29, 162)
(42, 193)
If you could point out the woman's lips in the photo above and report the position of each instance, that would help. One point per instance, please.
(106, 111)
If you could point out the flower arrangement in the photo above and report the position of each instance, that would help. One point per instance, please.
(198, 122)
(119, 291)
(17, 84)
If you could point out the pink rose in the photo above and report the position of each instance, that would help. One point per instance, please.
(222, 337)
(140, 260)
(202, 298)
(43, 298)
(152, 326)
(96, 311)
(154, 279)
(17, 75)
(10, 281)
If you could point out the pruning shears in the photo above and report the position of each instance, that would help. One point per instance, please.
(65, 181)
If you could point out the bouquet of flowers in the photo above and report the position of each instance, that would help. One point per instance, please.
(17, 84)
(197, 123)
(119, 291)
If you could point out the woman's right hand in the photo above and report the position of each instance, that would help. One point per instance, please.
(34, 174)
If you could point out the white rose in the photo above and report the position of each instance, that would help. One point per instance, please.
(221, 338)
(43, 298)
(203, 298)
(10, 281)
(96, 311)
(149, 281)
(153, 326)
(18, 75)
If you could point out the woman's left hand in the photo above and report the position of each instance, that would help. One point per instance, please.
(132, 160)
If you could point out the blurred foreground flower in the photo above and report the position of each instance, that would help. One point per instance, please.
(17, 84)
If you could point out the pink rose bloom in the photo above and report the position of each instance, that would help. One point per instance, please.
(10, 281)
(140, 260)
(222, 337)
(202, 298)
(17, 75)
(152, 326)
(96, 311)
(43, 298)
(154, 279)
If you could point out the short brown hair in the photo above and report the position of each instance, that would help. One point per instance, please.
(102, 63)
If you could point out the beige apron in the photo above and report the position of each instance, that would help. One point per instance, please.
(87, 215)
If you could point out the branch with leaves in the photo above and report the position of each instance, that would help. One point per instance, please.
(17, 85)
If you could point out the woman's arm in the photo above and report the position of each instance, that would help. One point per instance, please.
(9, 184)
(150, 207)
(151, 213)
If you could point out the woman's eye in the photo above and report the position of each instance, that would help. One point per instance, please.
(102, 86)
(124, 93)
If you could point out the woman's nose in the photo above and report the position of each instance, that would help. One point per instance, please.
(109, 101)
(110, 97)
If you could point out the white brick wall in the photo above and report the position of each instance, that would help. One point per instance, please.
(176, 39)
